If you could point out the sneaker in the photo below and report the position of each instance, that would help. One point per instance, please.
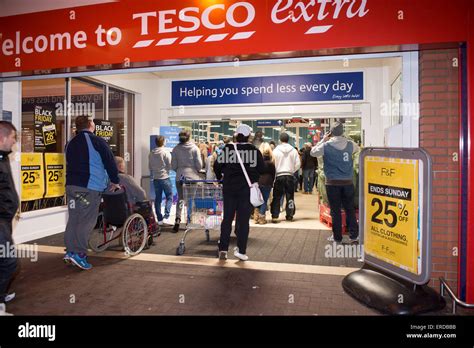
(81, 262)
(3, 310)
(176, 226)
(222, 255)
(331, 239)
(160, 223)
(275, 220)
(166, 221)
(354, 240)
(67, 257)
(289, 218)
(240, 256)
(10, 297)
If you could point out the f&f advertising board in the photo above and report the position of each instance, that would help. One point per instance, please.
(396, 211)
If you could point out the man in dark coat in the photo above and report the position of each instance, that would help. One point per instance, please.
(8, 207)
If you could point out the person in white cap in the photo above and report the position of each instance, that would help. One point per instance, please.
(236, 189)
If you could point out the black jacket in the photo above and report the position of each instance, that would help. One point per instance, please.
(268, 175)
(307, 161)
(8, 196)
(227, 164)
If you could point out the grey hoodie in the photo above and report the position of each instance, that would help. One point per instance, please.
(186, 161)
(159, 162)
(287, 159)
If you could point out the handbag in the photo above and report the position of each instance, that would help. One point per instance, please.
(256, 197)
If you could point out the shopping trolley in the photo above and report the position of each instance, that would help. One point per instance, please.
(203, 207)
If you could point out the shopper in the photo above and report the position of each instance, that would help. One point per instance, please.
(89, 166)
(287, 162)
(186, 162)
(203, 150)
(309, 164)
(8, 208)
(266, 180)
(258, 139)
(159, 163)
(337, 151)
(236, 190)
(133, 191)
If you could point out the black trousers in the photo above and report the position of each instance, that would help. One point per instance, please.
(284, 185)
(337, 196)
(7, 263)
(236, 204)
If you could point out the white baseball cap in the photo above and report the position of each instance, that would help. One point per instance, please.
(244, 129)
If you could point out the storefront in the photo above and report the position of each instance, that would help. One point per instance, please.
(121, 70)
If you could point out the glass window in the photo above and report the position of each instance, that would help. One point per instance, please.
(43, 138)
(87, 99)
(45, 113)
(121, 106)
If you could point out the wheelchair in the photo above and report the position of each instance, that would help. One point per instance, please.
(118, 221)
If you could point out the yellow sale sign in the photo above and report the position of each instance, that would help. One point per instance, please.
(391, 211)
(32, 179)
(55, 175)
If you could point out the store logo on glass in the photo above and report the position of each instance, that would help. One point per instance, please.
(179, 26)
(315, 11)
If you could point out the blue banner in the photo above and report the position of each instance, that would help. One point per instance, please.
(269, 123)
(270, 89)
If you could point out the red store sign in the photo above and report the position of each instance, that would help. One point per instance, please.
(130, 31)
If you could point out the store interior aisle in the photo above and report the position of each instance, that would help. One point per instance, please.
(306, 216)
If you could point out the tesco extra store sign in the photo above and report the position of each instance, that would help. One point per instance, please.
(144, 31)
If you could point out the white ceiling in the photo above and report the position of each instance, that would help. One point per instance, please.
(15, 7)
(296, 67)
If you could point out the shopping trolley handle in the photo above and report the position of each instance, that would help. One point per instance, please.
(187, 181)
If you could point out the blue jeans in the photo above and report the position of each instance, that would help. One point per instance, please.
(308, 179)
(266, 194)
(163, 185)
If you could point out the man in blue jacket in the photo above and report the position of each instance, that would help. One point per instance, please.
(90, 165)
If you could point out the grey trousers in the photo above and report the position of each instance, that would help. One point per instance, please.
(83, 207)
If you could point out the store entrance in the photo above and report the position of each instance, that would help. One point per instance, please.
(303, 132)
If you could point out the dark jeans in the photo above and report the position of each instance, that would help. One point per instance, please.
(236, 203)
(284, 185)
(308, 178)
(7, 263)
(163, 185)
(266, 194)
(337, 196)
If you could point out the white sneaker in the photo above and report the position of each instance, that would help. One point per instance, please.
(160, 223)
(3, 311)
(240, 256)
(167, 221)
(10, 297)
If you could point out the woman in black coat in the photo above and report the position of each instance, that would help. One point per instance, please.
(236, 189)
(266, 180)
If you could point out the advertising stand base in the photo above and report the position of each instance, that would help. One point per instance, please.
(390, 295)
